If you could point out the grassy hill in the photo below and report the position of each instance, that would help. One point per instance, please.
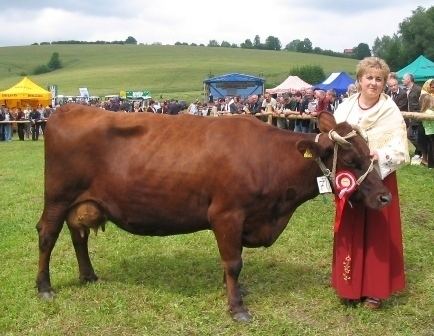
(170, 71)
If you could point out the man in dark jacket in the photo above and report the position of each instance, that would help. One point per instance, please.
(35, 117)
(399, 95)
(416, 132)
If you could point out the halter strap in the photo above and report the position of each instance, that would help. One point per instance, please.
(332, 174)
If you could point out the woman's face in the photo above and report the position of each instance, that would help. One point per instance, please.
(372, 83)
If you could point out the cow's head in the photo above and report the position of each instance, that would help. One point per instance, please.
(346, 145)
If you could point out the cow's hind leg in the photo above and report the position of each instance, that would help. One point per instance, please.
(48, 227)
(81, 218)
(228, 230)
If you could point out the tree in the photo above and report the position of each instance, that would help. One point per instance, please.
(213, 43)
(307, 45)
(293, 45)
(272, 43)
(225, 44)
(130, 40)
(54, 62)
(362, 51)
(247, 44)
(417, 34)
(389, 49)
(257, 42)
(309, 73)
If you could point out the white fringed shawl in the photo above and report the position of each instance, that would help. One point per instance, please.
(385, 129)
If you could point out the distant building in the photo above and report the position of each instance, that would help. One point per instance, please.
(349, 51)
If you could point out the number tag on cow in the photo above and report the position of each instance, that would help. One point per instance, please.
(323, 185)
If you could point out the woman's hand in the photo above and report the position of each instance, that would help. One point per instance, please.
(374, 155)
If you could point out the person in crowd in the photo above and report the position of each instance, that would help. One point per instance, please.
(27, 130)
(415, 128)
(34, 118)
(399, 95)
(46, 113)
(333, 101)
(321, 101)
(428, 87)
(7, 118)
(174, 107)
(269, 104)
(193, 108)
(151, 107)
(392, 75)
(21, 116)
(427, 106)
(254, 104)
(296, 110)
(307, 106)
(165, 107)
(368, 263)
(2, 118)
(413, 92)
(351, 89)
(232, 105)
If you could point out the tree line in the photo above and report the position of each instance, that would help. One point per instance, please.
(414, 37)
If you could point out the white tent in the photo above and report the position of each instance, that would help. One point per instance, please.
(291, 84)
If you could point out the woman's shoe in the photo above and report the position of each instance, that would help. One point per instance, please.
(372, 303)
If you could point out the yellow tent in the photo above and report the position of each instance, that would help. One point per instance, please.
(25, 93)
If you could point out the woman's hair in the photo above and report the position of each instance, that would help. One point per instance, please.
(372, 62)
(426, 102)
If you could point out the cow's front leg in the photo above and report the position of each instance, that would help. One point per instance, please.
(228, 229)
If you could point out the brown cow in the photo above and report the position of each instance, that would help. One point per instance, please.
(161, 175)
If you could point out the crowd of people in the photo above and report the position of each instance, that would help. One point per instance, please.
(31, 121)
(407, 96)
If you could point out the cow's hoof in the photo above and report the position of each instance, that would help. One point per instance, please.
(242, 317)
(47, 296)
(88, 278)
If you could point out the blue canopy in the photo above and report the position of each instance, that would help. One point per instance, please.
(234, 84)
(337, 81)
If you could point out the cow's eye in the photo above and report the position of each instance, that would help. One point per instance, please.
(349, 163)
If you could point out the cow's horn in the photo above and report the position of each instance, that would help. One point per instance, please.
(360, 131)
(333, 135)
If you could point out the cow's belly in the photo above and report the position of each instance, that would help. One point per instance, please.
(161, 228)
(159, 215)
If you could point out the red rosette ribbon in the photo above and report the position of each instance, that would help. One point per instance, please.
(345, 185)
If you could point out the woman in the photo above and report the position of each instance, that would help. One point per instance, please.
(427, 106)
(367, 253)
(427, 154)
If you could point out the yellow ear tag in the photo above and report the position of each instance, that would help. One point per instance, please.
(307, 154)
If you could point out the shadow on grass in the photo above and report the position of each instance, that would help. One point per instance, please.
(194, 273)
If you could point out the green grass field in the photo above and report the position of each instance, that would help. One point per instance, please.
(172, 285)
(169, 71)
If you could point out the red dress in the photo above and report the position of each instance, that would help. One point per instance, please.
(367, 252)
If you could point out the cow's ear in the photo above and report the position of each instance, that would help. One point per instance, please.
(309, 149)
(326, 122)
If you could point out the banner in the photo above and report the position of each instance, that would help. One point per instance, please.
(138, 95)
(84, 92)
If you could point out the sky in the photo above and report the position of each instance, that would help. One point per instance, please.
(333, 25)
